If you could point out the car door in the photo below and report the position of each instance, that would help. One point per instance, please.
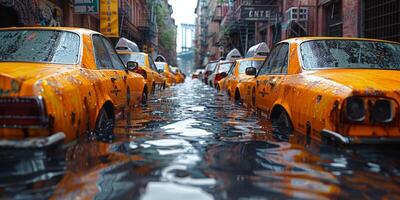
(270, 76)
(112, 70)
(156, 75)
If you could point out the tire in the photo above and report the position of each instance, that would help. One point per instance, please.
(164, 86)
(238, 99)
(282, 125)
(218, 88)
(144, 97)
(153, 87)
(104, 125)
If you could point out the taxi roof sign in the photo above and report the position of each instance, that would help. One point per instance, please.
(124, 44)
(233, 55)
(258, 50)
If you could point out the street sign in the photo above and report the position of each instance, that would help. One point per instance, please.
(109, 18)
(258, 13)
(86, 6)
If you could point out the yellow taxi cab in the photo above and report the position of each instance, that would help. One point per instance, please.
(147, 68)
(237, 76)
(342, 90)
(166, 70)
(57, 83)
(180, 77)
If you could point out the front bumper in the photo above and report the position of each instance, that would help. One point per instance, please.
(337, 137)
(37, 142)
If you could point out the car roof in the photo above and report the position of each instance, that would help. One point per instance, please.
(304, 39)
(71, 29)
(130, 52)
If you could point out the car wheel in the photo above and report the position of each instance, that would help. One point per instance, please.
(282, 125)
(153, 88)
(144, 97)
(238, 99)
(218, 88)
(104, 125)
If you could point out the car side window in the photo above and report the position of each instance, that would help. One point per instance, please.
(115, 60)
(285, 51)
(152, 64)
(232, 69)
(103, 60)
(268, 64)
(278, 64)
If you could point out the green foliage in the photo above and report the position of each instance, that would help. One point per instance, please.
(166, 31)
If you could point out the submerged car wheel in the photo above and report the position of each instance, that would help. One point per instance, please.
(238, 99)
(104, 125)
(144, 98)
(282, 125)
(153, 88)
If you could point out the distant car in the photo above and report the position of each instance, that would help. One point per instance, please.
(237, 75)
(208, 70)
(180, 77)
(147, 68)
(197, 73)
(220, 72)
(57, 83)
(343, 90)
(166, 70)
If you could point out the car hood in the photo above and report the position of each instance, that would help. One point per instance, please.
(362, 79)
(13, 75)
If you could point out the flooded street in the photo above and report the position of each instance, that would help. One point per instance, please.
(191, 142)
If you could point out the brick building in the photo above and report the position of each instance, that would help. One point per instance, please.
(247, 22)
(136, 22)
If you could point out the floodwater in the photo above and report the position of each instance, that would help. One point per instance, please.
(192, 143)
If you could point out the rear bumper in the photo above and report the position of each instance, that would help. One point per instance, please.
(337, 137)
(37, 142)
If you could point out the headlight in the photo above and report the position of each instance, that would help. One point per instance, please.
(355, 109)
(382, 111)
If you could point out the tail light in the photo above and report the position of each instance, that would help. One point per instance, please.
(22, 112)
(219, 76)
(382, 111)
(141, 72)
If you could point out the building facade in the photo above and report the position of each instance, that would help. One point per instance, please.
(243, 23)
(137, 21)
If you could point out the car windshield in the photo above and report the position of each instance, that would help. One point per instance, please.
(139, 58)
(39, 46)
(211, 66)
(224, 67)
(249, 63)
(160, 66)
(350, 54)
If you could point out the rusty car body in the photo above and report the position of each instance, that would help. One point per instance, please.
(345, 90)
(61, 81)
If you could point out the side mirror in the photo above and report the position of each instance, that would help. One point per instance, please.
(224, 74)
(251, 71)
(160, 71)
(132, 65)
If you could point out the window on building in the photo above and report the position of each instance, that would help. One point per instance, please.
(334, 21)
(382, 19)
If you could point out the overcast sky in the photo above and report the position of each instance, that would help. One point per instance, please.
(183, 13)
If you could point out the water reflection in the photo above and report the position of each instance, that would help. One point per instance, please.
(191, 142)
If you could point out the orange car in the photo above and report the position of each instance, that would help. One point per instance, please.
(166, 70)
(57, 83)
(232, 84)
(180, 78)
(342, 90)
(147, 68)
